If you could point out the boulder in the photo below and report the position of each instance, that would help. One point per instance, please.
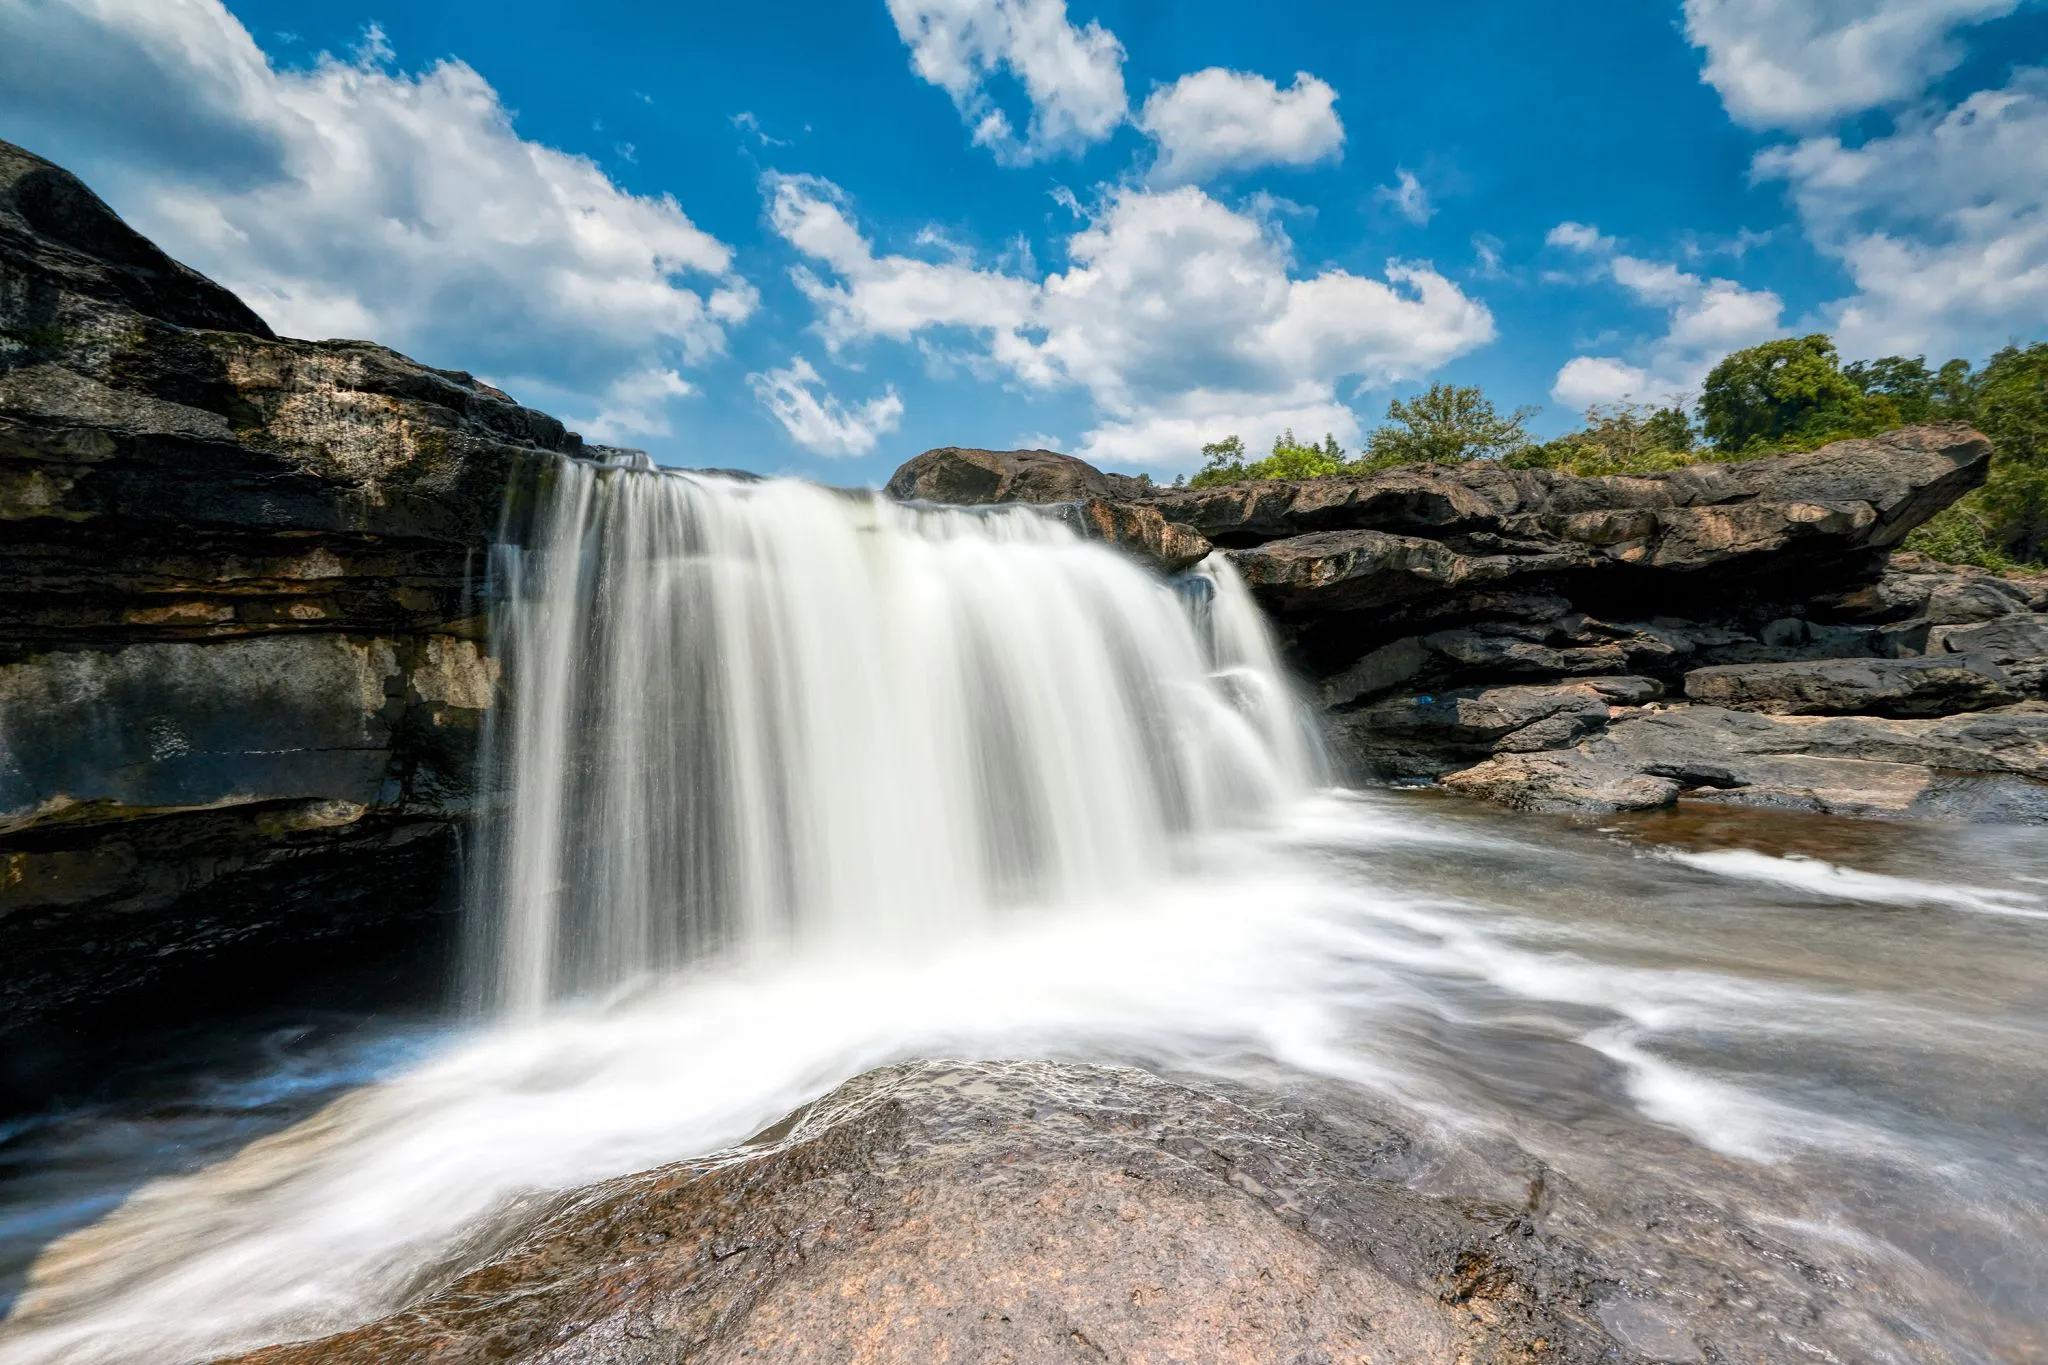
(967, 477)
(2018, 645)
(1027, 1211)
(1934, 686)
(1986, 765)
(1429, 734)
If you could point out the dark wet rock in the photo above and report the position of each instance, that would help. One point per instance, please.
(241, 673)
(1915, 588)
(967, 477)
(2018, 645)
(1139, 531)
(1028, 1211)
(68, 239)
(1328, 572)
(1934, 686)
(1429, 734)
(1986, 765)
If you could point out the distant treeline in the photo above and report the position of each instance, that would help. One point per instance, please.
(1787, 395)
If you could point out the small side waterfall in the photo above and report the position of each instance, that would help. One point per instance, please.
(750, 714)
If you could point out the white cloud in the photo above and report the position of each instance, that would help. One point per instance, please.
(1578, 237)
(1219, 120)
(1180, 318)
(816, 420)
(1705, 319)
(1798, 63)
(354, 198)
(636, 405)
(1407, 196)
(1072, 76)
(1943, 225)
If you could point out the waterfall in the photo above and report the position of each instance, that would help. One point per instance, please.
(750, 714)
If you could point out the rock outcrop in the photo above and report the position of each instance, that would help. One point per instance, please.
(1036, 1212)
(1496, 628)
(1934, 685)
(241, 672)
(966, 477)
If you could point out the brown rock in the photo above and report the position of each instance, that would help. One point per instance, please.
(1010, 1211)
(1139, 531)
(967, 477)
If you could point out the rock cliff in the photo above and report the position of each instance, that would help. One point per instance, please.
(1567, 643)
(240, 664)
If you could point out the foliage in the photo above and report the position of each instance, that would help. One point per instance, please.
(2006, 521)
(1621, 438)
(1789, 394)
(1446, 424)
(1224, 461)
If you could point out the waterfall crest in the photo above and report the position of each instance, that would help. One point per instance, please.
(760, 713)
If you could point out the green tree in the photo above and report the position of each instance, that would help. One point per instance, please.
(1618, 438)
(1224, 461)
(1784, 394)
(1896, 389)
(1446, 424)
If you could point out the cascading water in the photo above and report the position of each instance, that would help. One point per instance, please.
(754, 713)
(798, 738)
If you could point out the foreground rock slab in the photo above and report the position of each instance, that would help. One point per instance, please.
(1019, 1211)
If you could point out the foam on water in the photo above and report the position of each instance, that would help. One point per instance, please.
(1813, 876)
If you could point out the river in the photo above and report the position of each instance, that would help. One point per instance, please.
(1831, 1035)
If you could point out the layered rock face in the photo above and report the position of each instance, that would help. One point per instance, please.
(1036, 1212)
(241, 672)
(1504, 629)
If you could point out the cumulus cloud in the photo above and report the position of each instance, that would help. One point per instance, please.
(1798, 63)
(355, 198)
(1705, 319)
(816, 420)
(1407, 197)
(1073, 77)
(1180, 318)
(1218, 120)
(1943, 225)
(636, 405)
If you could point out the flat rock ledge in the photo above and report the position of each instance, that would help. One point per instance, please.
(1980, 766)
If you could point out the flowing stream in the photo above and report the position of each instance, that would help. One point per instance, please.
(801, 782)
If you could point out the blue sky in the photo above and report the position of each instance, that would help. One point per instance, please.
(817, 238)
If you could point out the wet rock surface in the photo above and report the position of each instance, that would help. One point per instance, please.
(241, 666)
(1034, 1211)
